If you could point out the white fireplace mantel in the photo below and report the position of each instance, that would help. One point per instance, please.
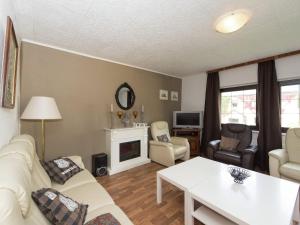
(114, 137)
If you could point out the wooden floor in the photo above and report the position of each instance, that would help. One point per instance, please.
(134, 191)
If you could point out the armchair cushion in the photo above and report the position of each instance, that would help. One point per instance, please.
(161, 144)
(229, 144)
(290, 170)
(163, 138)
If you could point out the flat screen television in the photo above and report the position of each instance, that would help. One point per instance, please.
(182, 119)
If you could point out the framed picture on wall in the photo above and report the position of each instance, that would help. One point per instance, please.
(9, 66)
(174, 96)
(163, 95)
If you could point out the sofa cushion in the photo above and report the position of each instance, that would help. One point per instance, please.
(81, 178)
(15, 176)
(40, 178)
(59, 209)
(92, 194)
(229, 157)
(61, 169)
(112, 209)
(229, 144)
(290, 170)
(10, 213)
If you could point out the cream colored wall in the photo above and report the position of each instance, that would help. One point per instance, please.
(84, 88)
(9, 118)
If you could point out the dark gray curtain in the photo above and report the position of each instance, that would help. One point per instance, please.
(211, 123)
(268, 112)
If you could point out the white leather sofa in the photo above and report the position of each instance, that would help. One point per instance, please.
(166, 153)
(21, 173)
(285, 163)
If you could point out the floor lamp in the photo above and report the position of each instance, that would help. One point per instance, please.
(43, 109)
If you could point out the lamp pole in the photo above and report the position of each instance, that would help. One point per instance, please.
(43, 140)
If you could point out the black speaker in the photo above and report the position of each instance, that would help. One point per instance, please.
(99, 165)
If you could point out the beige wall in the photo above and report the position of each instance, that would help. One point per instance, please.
(84, 88)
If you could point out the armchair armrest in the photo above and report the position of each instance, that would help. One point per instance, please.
(280, 154)
(251, 149)
(162, 144)
(248, 155)
(77, 160)
(214, 144)
(212, 147)
(179, 141)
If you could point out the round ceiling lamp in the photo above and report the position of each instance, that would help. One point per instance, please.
(232, 21)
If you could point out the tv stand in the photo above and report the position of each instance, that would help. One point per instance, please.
(193, 135)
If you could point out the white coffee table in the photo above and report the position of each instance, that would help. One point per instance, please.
(185, 176)
(261, 200)
(201, 178)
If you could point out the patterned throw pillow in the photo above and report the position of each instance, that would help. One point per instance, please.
(105, 219)
(61, 169)
(229, 144)
(163, 138)
(59, 209)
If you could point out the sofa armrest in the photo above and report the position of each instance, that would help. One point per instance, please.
(280, 154)
(77, 160)
(179, 141)
(161, 144)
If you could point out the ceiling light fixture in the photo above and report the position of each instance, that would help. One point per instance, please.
(232, 21)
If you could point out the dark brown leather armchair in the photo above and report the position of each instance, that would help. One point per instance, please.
(244, 156)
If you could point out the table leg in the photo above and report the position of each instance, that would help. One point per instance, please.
(296, 214)
(188, 208)
(158, 189)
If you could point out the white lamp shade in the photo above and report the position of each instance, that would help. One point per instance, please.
(41, 108)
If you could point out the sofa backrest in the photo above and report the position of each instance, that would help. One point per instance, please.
(292, 144)
(159, 128)
(20, 174)
(40, 178)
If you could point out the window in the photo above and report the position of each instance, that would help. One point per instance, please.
(238, 105)
(290, 104)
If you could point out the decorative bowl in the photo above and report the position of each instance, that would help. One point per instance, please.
(239, 174)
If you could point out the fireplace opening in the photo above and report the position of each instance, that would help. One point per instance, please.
(130, 150)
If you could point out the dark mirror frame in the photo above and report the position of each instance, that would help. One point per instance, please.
(125, 85)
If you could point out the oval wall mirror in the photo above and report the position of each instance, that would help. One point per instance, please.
(125, 96)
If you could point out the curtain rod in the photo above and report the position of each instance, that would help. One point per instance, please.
(255, 61)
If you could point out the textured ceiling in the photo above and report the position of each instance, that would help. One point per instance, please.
(174, 37)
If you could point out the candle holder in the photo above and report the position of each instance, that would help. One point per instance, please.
(120, 114)
(135, 114)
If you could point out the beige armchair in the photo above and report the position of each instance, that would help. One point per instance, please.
(285, 163)
(166, 153)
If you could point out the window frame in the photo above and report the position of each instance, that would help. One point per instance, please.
(281, 84)
(241, 88)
